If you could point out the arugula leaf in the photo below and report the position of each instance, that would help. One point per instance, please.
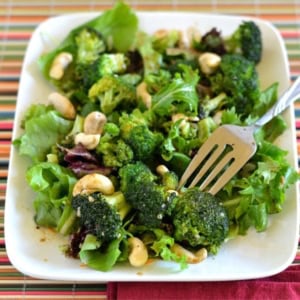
(179, 96)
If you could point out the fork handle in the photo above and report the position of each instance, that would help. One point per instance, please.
(285, 100)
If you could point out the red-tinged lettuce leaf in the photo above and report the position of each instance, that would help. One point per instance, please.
(82, 162)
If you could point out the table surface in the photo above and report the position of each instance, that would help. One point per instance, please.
(19, 18)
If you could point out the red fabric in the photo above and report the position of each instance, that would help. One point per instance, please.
(283, 286)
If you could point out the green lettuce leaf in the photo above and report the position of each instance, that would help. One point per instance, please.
(118, 26)
(53, 185)
(44, 127)
(263, 191)
(97, 257)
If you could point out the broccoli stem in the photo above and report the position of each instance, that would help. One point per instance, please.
(67, 220)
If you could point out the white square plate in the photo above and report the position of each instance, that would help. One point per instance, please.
(36, 252)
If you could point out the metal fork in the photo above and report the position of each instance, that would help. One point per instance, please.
(230, 146)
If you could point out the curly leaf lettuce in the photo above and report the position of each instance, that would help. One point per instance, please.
(44, 127)
(53, 185)
(262, 192)
(97, 257)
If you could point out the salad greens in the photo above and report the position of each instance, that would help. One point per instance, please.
(153, 100)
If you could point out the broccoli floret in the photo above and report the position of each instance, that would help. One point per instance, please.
(143, 142)
(110, 130)
(87, 75)
(112, 92)
(209, 105)
(149, 199)
(170, 180)
(113, 63)
(238, 78)
(151, 202)
(135, 173)
(246, 40)
(129, 120)
(114, 151)
(100, 214)
(136, 133)
(200, 220)
(89, 45)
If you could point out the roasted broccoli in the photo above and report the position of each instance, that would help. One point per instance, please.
(89, 44)
(136, 133)
(246, 40)
(135, 173)
(149, 199)
(208, 105)
(200, 220)
(113, 63)
(238, 79)
(101, 215)
(114, 151)
(106, 64)
(143, 142)
(112, 92)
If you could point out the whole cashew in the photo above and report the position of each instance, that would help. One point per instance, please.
(59, 64)
(192, 258)
(94, 123)
(91, 183)
(161, 170)
(209, 62)
(141, 92)
(89, 141)
(138, 255)
(182, 117)
(63, 105)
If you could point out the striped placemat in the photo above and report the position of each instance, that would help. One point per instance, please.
(19, 18)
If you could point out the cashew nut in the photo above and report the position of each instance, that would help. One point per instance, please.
(94, 123)
(63, 105)
(141, 92)
(138, 254)
(161, 170)
(180, 116)
(89, 141)
(184, 118)
(161, 33)
(59, 64)
(191, 258)
(209, 62)
(91, 183)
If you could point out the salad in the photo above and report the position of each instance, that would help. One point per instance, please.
(127, 113)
